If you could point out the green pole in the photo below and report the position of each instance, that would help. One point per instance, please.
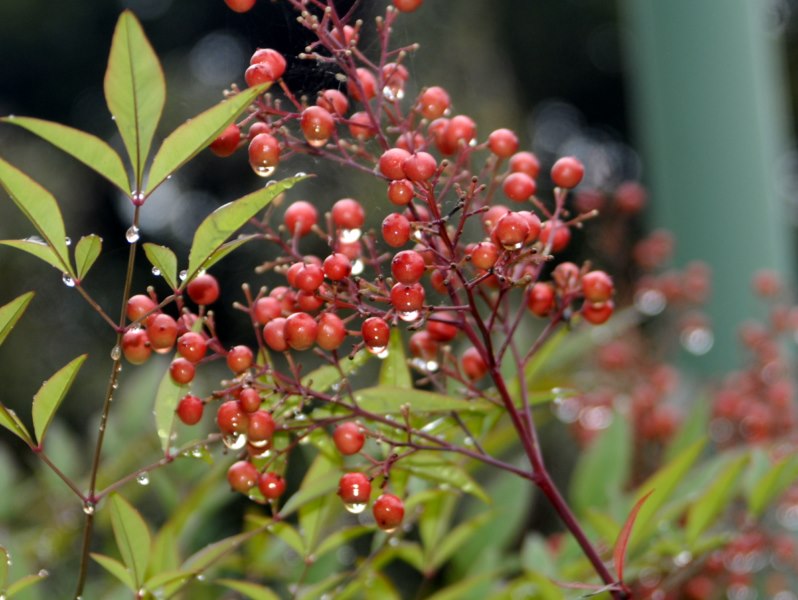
(708, 93)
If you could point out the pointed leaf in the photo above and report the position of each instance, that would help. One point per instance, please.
(163, 259)
(323, 378)
(249, 589)
(289, 535)
(10, 420)
(185, 142)
(115, 568)
(774, 483)
(86, 252)
(456, 538)
(22, 584)
(394, 371)
(12, 312)
(339, 538)
(228, 219)
(201, 560)
(88, 149)
(311, 489)
(132, 537)
(384, 399)
(434, 467)
(227, 248)
(619, 551)
(135, 90)
(166, 578)
(51, 394)
(40, 208)
(703, 513)
(166, 400)
(38, 249)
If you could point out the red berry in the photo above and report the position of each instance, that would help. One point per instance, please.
(433, 102)
(249, 399)
(182, 371)
(503, 142)
(242, 476)
(189, 409)
(389, 510)
(227, 142)
(264, 154)
(337, 266)
(361, 126)
(597, 313)
(491, 216)
(239, 359)
(348, 213)
(391, 162)
(419, 166)
(230, 418)
(534, 225)
(541, 299)
(567, 172)
(630, 197)
(407, 6)
(192, 346)
(300, 217)
(348, 438)
(271, 485)
(274, 334)
(363, 87)
(162, 332)
(136, 346)
(407, 300)
(395, 230)
(561, 237)
(400, 192)
(484, 255)
(525, 162)
(460, 131)
(354, 488)
(333, 102)
(203, 289)
(473, 364)
(443, 326)
(422, 345)
(308, 277)
(511, 231)
(345, 35)
(331, 332)
(240, 6)
(138, 306)
(260, 427)
(266, 66)
(300, 331)
(317, 125)
(266, 309)
(257, 128)
(407, 266)
(597, 286)
(519, 187)
(376, 334)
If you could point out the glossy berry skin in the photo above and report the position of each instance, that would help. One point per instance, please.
(189, 409)
(331, 332)
(407, 298)
(376, 333)
(348, 438)
(354, 488)
(395, 230)
(561, 237)
(422, 345)
(388, 510)
(503, 142)
(192, 346)
(567, 172)
(266, 309)
(308, 277)
(182, 371)
(162, 332)
(361, 127)
(266, 66)
(317, 125)
(525, 162)
(271, 485)
(391, 161)
(473, 364)
(203, 289)
(534, 225)
(348, 213)
(249, 400)
(264, 152)
(239, 359)
(274, 334)
(460, 131)
(337, 266)
(491, 216)
(443, 326)
(242, 476)
(333, 102)
(227, 142)
(136, 346)
(407, 6)
(260, 427)
(230, 418)
(300, 331)
(484, 255)
(419, 166)
(541, 299)
(400, 192)
(597, 286)
(519, 187)
(597, 313)
(363, 87)
(300, 217)
(433, 102)
(138, 306)
(407, 266)
(240, 6)
(511, 231)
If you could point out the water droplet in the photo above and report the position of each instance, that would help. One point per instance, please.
(113, 117)
(355, 507)
(35, 239)
(418, 235)
(408, 316)
(300, 174)
(389, 531)
(88, 508)
(68, 241)
(143, 478)
(513, 246)
(383, 354)
(263, 452)
(133, 234)
(566, 409)
(116, 353)
(262, 171)
(43, 573)
(138, 198)
(595, 417)
(682, 559)
(357, 267)
(200, 577)
(67, 279)
(182, 275)
(156, 271)
(235, 441)
(650, 302)
(348, 236)
(317, 143)
(697, 340)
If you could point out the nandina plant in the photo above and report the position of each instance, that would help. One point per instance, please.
(401, 360)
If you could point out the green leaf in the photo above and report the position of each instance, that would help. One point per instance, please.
(165, 578)
(201, 560)
(662, 484)
(41, 209)
(458, 590)
(10, 420)
(166, 400)
(163, 259)
(339, 538)
(51, 394)
(12, 312)
(86, 252)
(22, 584)
(115, 568)
(38, 249)
(383, 400)
(4, 560)
(165, 555)
(703, 513)
(694, 427)
(774, 483)
(88, 149)
(289, 535)
(602, 470)
(434, 467)
(619, 550)
(311, 489)
(185, 142)
(227, 248)
(394, 372)
(249, 589)
(456, 538)
(229, 218)
(323, 378)
(132, 537)
(135, 90)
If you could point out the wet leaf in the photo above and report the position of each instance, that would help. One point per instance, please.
(10, 420)
(87, 251)
(12, 312)
(51, 394)
(166, 400)
(163, 259)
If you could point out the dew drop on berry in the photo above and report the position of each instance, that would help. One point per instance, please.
(116, 353)
(132, 234)
(409, 315)
(355, 507)
(143, 478)
(263, 171)
(235, 441)
(348, 236)
(67, 279)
